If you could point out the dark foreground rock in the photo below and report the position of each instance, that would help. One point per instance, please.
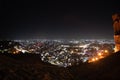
(30, 67)
(105, 69)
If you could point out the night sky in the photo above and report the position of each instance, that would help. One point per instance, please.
(70, 19)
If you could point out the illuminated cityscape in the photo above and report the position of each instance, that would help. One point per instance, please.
(60, 40)
(62, 52)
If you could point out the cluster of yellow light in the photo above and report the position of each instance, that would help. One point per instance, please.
(106, 51)
(94, 59)
(99, 56)
(16, 52)
(115, 49)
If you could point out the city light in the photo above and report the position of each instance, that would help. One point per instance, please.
(96, 58)
(93, 59)
(106, 51)
(63, 53)
(99, 54)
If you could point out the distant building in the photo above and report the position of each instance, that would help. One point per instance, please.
(116, 26)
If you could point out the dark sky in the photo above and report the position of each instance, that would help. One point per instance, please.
(58, 19)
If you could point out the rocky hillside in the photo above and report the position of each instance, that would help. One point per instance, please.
(105, 69)
(30, 67)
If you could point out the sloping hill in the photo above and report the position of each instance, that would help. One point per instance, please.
(30, 67)
(105, 69)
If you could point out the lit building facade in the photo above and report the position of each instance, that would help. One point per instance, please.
(116, 26)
